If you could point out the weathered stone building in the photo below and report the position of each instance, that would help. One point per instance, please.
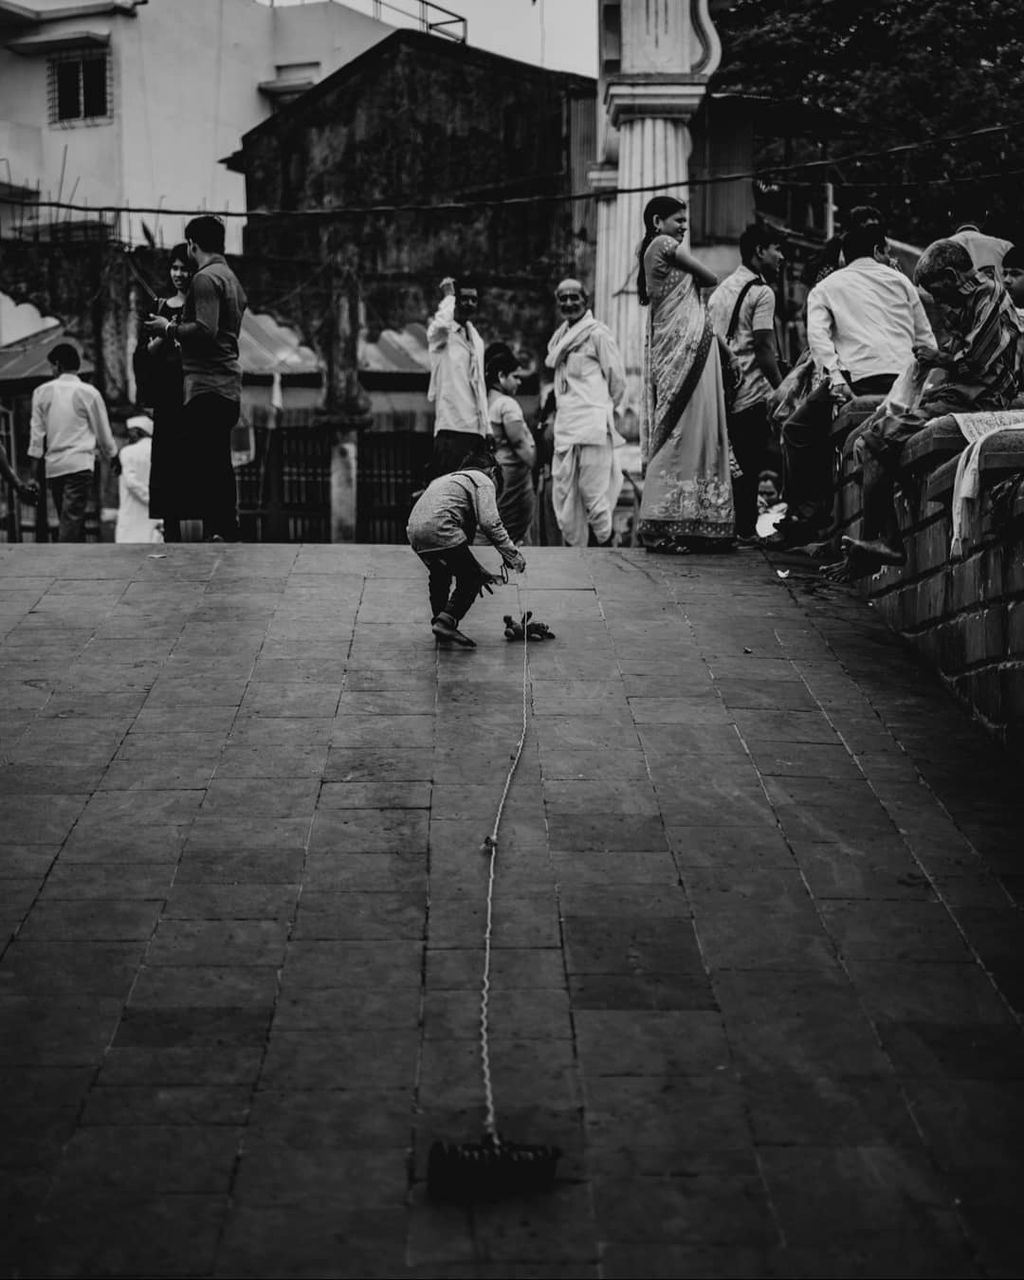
(417, 121)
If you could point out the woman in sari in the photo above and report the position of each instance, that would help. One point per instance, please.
(684, 441)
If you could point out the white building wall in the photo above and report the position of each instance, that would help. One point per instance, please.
(33, 150)
(185, 77)
(325, 32)
(190, 70)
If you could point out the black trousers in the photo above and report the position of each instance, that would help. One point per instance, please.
(807, 453)
(207, 421)
(750, 433)
(460, 564)
(451, 449)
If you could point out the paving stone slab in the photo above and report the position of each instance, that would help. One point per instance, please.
(190, 901)
(320, 1060)
(181, 1065)
(231, 866)
(894, 930)
(52, 968)
(218, 942)
(360, 916)
(167, 1105)
(834, 1192)
(92, 919)
(171, 1236)
(201, 986)
(187, 1026)
(673, 1117)
(59, 1032)
(804, 1020)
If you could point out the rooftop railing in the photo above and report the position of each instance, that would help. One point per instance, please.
(424, 14)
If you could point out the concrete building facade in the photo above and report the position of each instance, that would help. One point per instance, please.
(135, 102)
(467, 155)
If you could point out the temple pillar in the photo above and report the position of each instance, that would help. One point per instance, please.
(656, 59)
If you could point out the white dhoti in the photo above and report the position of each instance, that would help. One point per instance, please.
(587, 481)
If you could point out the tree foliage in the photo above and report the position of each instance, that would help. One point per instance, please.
(893, 72)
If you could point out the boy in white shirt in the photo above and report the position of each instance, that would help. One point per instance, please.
(69, 421)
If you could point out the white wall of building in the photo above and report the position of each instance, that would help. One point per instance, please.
(323, 32)
(185, 77)
(33, 150)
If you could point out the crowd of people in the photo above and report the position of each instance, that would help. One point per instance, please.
(718, 406)
(886, 357)
(702, 452)
(725, 428)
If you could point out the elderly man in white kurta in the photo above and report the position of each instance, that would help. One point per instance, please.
(590, 394)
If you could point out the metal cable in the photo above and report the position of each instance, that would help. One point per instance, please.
(491, 843)
(768, 174)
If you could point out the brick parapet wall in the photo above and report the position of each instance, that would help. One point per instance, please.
(965, 617)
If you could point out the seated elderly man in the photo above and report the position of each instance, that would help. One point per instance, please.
(981, 360)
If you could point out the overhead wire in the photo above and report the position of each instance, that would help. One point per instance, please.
(766, 174)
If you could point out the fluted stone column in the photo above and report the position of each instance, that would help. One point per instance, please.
(665, 52)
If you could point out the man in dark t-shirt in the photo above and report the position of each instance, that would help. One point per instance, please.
(207, 334)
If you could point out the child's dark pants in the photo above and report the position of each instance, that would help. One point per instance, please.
(442, 566)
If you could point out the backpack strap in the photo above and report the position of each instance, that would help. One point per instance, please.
(734, 321)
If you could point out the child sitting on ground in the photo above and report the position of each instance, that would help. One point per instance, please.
(981, 360)
(443, 524)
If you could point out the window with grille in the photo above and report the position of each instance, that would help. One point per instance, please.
(79, 87)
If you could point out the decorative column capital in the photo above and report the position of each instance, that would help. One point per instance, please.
(707, 36)
(603, 179)
(665, 97)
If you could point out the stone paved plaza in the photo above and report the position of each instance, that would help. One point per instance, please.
(758, 943)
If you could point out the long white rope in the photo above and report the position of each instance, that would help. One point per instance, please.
(490, 1119)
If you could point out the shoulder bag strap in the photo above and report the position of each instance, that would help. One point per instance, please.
(734, 320)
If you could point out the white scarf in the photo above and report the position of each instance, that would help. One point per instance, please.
(976, 427)
(567, 337)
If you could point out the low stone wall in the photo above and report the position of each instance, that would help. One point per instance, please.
(965, 617)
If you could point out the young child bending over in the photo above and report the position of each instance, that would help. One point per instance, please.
(442, 525)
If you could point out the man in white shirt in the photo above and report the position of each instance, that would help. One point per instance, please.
(863, 322)
(590, 394)
(133, 520)
(742, 310)
(69, 420)
(457, 387)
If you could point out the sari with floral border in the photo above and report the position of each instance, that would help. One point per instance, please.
(684, 440)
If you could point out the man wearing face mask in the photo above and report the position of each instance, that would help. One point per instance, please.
(590, 393)
(457, 387)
